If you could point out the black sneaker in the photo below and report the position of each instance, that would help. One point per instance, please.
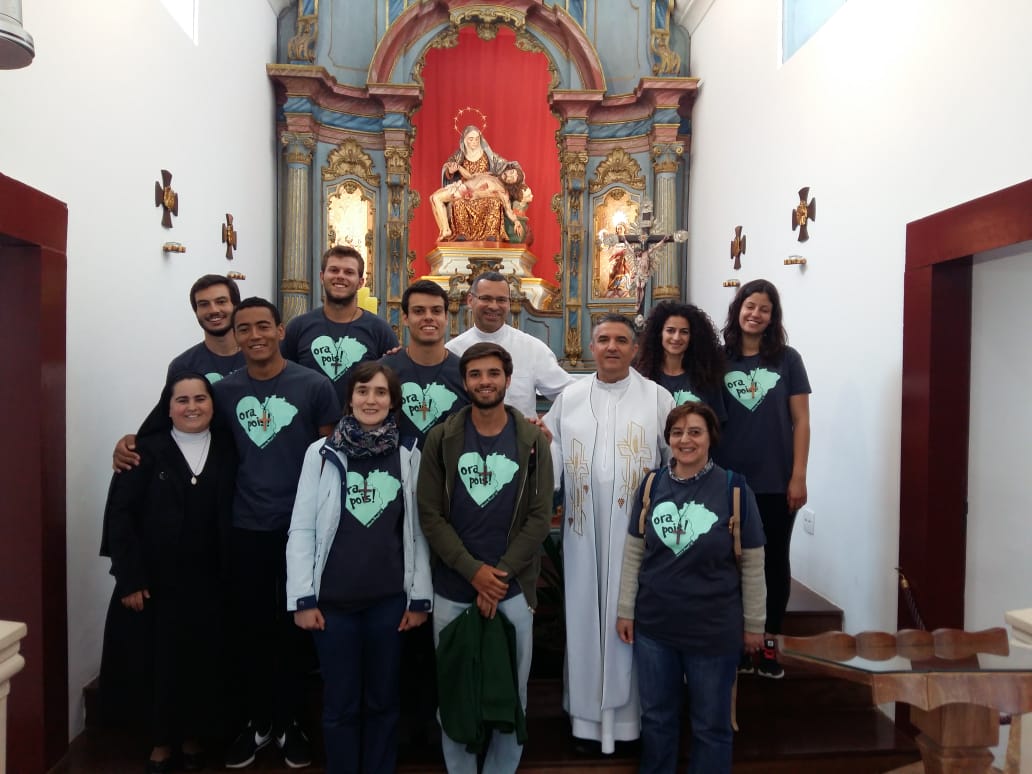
(241, 753)
(745, 664)
(297, 750)
(768, 665)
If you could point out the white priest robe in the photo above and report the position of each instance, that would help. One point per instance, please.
(605, 437)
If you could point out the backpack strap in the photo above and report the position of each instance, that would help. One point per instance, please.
(734, 489)
(646, 501)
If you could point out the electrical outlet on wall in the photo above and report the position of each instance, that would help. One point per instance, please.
(808, 519)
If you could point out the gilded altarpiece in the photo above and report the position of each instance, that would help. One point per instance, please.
(350, 80)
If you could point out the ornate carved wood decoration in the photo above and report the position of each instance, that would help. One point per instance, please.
(488, 18)
(666, 61)
(574, 349)
(527, 42)
(398, 160)
(348, 158)
(556, 206)
(618, 167)
(575, 163)
(666, 156)
(301, 47)
(446, 38)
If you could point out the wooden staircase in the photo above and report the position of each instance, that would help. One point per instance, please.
(801, 724)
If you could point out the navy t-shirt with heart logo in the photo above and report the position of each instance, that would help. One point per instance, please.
(482, 505)
(366, 559)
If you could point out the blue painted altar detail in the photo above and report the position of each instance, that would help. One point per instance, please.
(620, 92)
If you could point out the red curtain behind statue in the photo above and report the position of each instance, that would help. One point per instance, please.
(510, 87)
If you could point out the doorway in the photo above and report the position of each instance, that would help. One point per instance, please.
(934, 435)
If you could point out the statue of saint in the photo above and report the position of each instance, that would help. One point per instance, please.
(478, 213)
(504, 191)
(619, 270)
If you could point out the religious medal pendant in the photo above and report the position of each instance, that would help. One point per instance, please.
(193, 480)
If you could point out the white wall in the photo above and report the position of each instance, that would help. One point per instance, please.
(998, 576)
(999, 573)
(892, 111)
(116, 93)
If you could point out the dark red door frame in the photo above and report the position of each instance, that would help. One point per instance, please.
(33, 232)
(936, 393)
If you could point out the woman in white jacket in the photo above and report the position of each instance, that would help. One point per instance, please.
(358, 571)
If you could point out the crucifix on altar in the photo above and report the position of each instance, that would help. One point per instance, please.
(633, 245)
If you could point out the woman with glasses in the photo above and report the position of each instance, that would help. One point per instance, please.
(684, 605)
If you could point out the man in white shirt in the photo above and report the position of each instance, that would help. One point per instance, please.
(535, 369)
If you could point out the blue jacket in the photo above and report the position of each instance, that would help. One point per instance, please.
(316, 516)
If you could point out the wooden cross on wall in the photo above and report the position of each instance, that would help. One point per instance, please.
(229, 236)
(166, 198)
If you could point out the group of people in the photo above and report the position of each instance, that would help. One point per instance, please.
(483, 197)
(315, 483)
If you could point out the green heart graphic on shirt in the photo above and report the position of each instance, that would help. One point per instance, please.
(336, 357)
(500, 470)
(678, 528)
(262, 421)
(368, 496)
(683, 396)
(740, 385)
(425, 406)
(213, 377)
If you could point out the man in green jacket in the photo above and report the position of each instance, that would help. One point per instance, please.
(485, 504)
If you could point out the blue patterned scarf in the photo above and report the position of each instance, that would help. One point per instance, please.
(352, 440)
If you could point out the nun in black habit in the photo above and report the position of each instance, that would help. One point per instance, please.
(166, 527)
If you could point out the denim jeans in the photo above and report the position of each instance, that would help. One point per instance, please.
(360, 660)
(663, 671)
(503, 752)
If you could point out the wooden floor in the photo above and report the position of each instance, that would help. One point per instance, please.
(801, 724)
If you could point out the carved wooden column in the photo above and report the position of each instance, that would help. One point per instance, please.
(665, 159)
(296, 277)
(401, 201)
(671, 101)
(569, 206)
(399, 102)
(574, 161)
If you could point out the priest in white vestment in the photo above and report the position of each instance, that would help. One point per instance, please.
(607, 432)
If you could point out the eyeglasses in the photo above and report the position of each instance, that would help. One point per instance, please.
(489, 299)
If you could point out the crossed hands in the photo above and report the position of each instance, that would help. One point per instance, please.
(492, 585)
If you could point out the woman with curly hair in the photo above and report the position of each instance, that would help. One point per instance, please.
(767, 436)
(680, 351)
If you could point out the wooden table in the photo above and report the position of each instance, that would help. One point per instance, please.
(956, 682)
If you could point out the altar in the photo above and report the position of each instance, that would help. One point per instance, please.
(463, 260)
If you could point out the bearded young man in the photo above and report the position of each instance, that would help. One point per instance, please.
(485, 505)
